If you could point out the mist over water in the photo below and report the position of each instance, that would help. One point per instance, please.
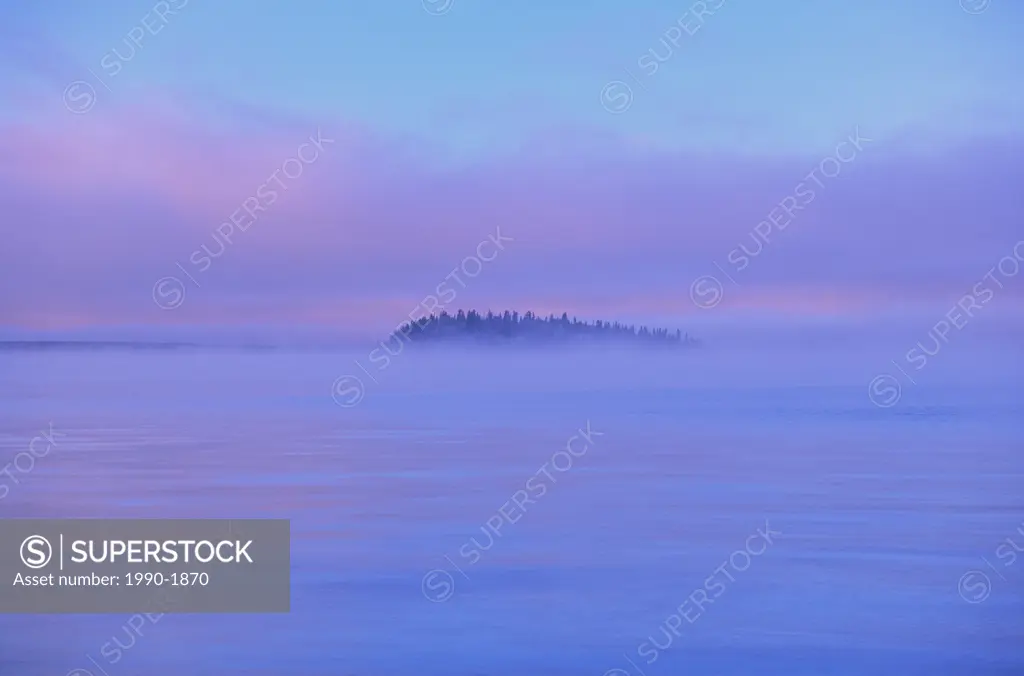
(220, 224)
(679, 458)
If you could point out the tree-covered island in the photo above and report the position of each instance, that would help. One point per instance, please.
(529, 329)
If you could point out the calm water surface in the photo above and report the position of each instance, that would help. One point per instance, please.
(881, 511)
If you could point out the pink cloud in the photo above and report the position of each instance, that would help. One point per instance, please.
(100, 206)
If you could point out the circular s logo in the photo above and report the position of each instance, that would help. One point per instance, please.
(348, 391)
(884, 391)
(706, 292)
(974, 586)
(616, 97)
(79, 97)
(438, 586)
(168, 293)
(438, 7)
(974, 6)
(36, 552)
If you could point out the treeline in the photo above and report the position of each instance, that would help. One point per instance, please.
(528, 327)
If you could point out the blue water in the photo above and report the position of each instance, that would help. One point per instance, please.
(881, 511)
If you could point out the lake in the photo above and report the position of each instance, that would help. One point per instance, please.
(716, 511)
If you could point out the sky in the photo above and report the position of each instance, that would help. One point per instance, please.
(331, 165)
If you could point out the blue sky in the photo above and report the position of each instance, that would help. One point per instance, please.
(496, 115)
(755, 75)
